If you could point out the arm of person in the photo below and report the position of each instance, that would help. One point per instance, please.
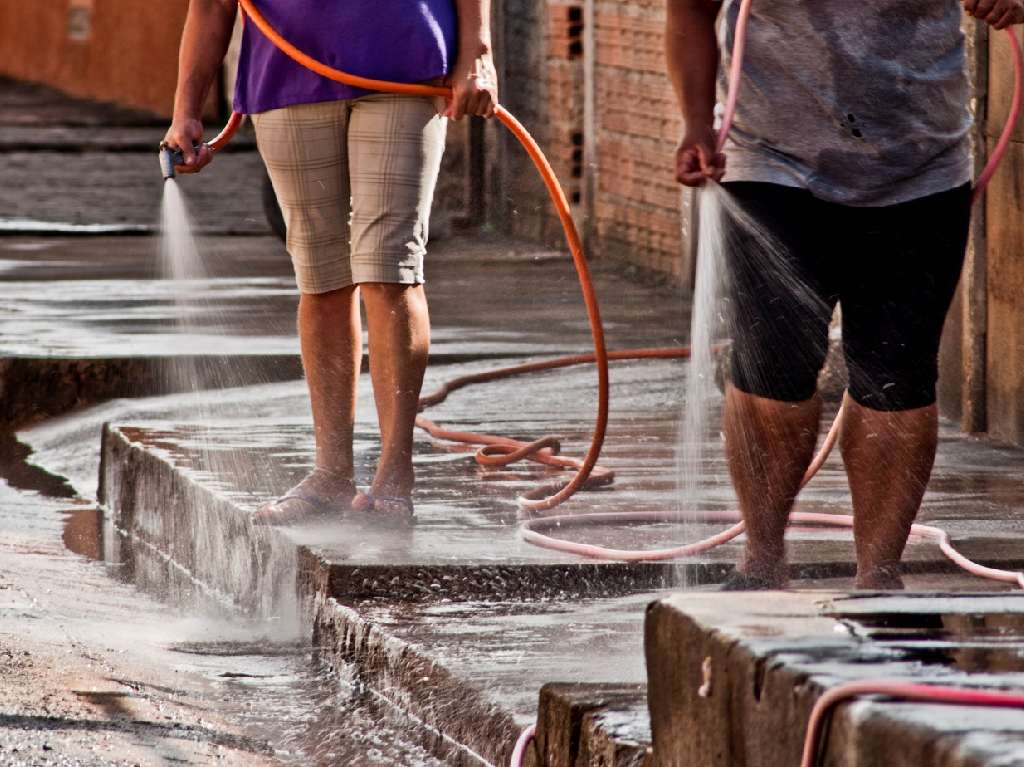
(204, 43)
(473, 79)
(691, 48)
(999, 13)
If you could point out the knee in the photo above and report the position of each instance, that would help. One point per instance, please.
(329, 297)
(785, 373)
(893, 387)
(385, 290)
(392, 294)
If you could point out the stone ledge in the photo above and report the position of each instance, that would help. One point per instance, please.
(418, 684)
(732, 680)
(592, 725)
(152, 497)
(191, 527)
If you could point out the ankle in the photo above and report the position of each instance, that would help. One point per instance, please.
(767, 566)
(397, 483)
(334, 472)
(389, 489)
(885, 577)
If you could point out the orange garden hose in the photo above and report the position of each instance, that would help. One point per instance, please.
(498, 449)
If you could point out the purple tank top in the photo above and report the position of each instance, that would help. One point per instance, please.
(401, 40)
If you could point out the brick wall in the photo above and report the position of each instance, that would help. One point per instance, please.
(637, 215)
(614, 159)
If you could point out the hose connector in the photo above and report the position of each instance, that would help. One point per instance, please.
(169, 158)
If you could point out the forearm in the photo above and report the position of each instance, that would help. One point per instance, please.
(692, 58)
(474, 28)
(204, 43)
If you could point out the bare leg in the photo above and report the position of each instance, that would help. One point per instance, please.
(769, 446)
(330, 338)
(399, 334)
(889, 458)
(330, 334)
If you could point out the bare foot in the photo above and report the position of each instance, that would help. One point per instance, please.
(387, 510)
(393, 482)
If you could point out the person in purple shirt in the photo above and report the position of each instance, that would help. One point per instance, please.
(354, 172)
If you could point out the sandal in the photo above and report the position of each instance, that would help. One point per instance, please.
(302, 502)
(387, 509)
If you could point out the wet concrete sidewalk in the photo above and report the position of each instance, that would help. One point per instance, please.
(457, 620)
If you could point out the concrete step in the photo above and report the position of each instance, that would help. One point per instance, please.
(732, 678)
(592, 725)
(462, 647)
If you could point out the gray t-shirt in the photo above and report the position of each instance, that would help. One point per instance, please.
(862, 102)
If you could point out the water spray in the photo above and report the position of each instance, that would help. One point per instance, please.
(502, 450)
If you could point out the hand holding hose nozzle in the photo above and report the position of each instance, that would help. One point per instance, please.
(182, 150)
(174, 160)
(171, 159)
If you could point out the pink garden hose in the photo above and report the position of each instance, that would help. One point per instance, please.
(531, 528)
(920, 693)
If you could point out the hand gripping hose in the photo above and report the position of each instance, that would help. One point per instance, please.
(502, 450)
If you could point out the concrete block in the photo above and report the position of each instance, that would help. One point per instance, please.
(592, 725)
(732, 680)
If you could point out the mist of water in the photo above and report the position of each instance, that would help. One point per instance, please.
(182, 262)
(726, 230)
(700, 391)
(705, 328)
(214, 460)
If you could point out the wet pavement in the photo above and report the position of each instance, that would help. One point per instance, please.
(102, 297)
(99, 672)
(256, 447)
(74, 162)
(461, 592)
(430, 644)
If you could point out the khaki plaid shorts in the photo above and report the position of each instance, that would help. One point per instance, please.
(355, 180)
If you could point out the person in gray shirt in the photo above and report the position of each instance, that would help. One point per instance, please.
(847, 180)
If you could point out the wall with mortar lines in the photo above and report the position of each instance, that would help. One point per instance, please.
(615, 159)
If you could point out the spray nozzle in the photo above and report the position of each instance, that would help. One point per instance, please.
(171, 157)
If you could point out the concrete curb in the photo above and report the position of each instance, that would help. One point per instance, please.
(734, 683)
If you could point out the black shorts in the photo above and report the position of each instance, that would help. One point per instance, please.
(791, 257)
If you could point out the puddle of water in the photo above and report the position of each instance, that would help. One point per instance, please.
(16, 470)
(84, 532)
(971, 642)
